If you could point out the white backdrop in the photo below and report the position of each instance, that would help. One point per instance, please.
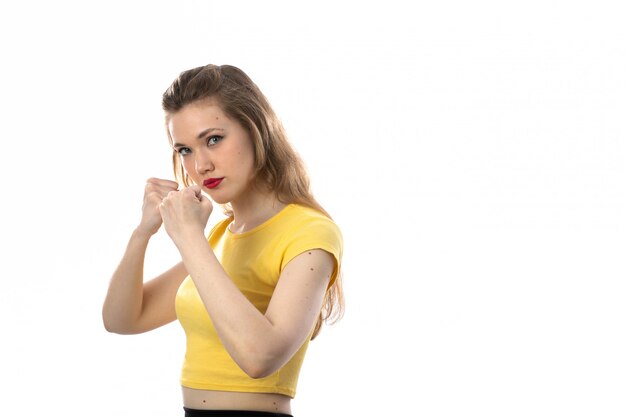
(472, 152)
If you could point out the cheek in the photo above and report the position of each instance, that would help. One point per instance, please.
(188, 165)
(245, 154)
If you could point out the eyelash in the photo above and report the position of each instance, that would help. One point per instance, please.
(208, 140)
(183, 150)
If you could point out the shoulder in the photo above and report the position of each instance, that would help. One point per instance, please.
(307, 228)
(299, 215)
(301, 219)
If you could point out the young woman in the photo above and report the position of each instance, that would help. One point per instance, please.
(252, 295)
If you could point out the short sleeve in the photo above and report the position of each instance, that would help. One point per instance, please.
(317, 233)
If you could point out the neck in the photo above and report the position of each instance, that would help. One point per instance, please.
(254, 211)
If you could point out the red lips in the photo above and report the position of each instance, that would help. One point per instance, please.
(212, 182)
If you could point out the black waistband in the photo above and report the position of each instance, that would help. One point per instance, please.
(190, 412)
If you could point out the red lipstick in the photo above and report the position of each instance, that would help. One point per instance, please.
(212, 182)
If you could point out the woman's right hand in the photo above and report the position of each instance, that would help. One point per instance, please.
(156, 190)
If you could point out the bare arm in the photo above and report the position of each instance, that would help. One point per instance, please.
(130, 306)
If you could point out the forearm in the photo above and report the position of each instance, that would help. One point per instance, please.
(123, 303)
(245, 332)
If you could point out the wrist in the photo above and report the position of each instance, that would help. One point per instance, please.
(141, 234)
(189, 238)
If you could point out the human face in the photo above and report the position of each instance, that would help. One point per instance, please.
(215, 150)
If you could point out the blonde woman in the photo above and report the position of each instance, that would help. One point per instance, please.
(253, 294)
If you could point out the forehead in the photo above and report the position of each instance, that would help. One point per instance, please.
(196, 117)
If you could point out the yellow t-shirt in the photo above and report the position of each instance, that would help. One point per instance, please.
(254, 261)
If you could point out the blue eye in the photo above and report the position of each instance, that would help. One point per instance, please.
(212, 140)
(182, 151)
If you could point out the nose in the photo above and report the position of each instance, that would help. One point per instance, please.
(203, 163)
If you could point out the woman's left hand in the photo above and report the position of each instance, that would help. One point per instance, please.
(185, 212)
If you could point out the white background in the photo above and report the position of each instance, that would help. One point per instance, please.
(472, 152)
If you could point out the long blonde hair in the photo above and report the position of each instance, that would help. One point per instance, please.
(277, 165)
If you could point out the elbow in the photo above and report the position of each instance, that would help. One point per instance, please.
(109, 325)
(113, 326)
(259, 370)
(119, 330)
(107, 320)
(112, 329)
(257, 364)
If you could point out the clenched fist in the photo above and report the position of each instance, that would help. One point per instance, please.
(155, 191)
(185, 212)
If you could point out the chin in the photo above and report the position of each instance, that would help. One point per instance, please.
(217, 198)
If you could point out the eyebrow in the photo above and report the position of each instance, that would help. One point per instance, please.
(200, 135)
